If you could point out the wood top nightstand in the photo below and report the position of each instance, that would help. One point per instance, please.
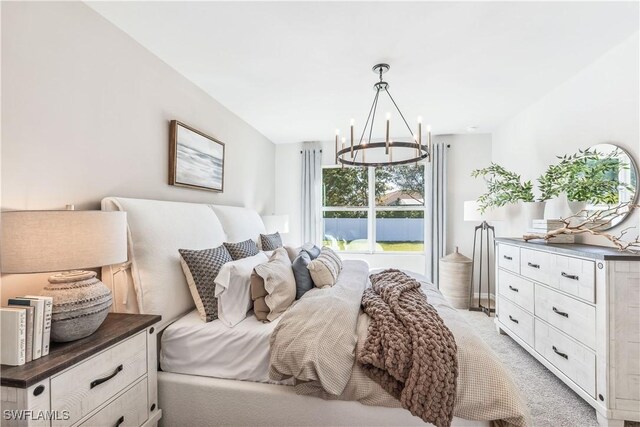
(108, 378)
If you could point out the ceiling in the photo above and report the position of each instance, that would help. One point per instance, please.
(296, 71)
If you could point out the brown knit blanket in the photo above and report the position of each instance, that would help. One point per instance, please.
(408, 350)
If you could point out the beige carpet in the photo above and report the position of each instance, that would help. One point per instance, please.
(551, 402)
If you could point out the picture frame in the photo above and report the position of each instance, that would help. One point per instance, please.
(196, 160)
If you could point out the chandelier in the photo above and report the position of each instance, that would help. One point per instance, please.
(413, 149)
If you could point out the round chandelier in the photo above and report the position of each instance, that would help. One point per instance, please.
(413, 149)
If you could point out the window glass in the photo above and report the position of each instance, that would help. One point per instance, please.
(400, 185)
(400, 231)
(345, 187)
(346, 230)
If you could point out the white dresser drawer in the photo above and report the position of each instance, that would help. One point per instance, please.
(535, 265)
(128, 410)
(574, 276)
(516, 320)
(575, 318)
(574, 360)
(509, 257)
(87, 385)
(516, 289)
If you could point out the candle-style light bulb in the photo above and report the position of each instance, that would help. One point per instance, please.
(415, 139)
(429, 145)
(419, 119)
(352, 123)
(386, 146)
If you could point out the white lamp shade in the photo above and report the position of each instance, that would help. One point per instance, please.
(43, 241)
(279, 223)
(472, 213)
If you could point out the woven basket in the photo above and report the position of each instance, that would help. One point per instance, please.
(455, 279)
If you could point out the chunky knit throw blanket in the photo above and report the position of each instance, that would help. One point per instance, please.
(408, 350)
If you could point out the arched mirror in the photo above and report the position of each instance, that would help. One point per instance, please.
(608, 178)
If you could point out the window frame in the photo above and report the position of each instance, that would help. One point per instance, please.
(372, 209)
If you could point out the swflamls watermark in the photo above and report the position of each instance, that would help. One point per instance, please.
(26, 414)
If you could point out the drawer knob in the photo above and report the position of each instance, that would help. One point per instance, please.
(513, 289)
(99, 381)
(569, 276)
(120, 421)
(38, 390)
(508, 258)
(532, 265)
(561, 313)
(555, 350)
(513, 320)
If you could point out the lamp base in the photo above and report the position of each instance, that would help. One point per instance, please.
(81, 302)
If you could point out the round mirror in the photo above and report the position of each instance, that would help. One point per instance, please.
(607, 178)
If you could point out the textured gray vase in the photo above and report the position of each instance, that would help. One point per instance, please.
(81, 302)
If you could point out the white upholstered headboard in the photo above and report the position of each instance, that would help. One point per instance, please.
(155, 283)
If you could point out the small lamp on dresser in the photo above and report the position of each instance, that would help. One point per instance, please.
(64, 241)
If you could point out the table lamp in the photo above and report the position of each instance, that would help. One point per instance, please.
(66, 241)
(472, 213)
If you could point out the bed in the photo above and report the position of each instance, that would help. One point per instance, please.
(217, 387)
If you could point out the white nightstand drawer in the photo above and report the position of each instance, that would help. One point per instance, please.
(516, 320)
(574, 360)
(128, 410)
(509, 257)
(89, 384)
(575, 318)
(516, 289)
(535, 265)
(574, 276)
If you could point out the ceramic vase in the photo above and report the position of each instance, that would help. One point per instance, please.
(557, 208)
(531, 211)
(81, 302)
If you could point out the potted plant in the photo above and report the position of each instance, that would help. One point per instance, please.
(504, 187)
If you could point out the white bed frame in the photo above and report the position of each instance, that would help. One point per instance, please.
(190, 400)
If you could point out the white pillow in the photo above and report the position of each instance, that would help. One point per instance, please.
(233, 289)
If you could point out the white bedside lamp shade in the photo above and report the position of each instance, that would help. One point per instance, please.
(472, 213)
(46, 241)
(279, 223)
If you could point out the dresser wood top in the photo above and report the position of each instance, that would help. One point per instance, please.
(116, 327)
(576, 249)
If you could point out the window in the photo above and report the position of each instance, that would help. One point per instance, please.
(374, 209)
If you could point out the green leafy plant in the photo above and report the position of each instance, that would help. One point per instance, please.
(503, 187)
(586, 176)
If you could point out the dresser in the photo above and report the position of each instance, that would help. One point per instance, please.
(576, 308)
(106, 379)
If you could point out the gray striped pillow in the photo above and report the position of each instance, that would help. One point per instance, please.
(326, 268)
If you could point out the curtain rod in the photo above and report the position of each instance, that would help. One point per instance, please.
(312, 149)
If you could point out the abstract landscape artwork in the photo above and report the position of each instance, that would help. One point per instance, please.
(196, 160)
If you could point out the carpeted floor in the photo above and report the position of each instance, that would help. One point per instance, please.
(551, 402)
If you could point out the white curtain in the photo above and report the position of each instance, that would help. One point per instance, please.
(436, 210)
(311, 186)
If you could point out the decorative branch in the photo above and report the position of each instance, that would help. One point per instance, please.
(590, 222)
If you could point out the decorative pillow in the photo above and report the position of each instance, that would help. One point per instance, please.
(312, 250)
(201, 267)
(233, 289)
(276, 290)
(326, 268)
(242, 249)
(271, 242)
(301, 273)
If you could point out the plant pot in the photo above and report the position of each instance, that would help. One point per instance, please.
(576, 207)
(557, 208)
(531, 211)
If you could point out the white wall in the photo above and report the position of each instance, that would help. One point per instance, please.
(599, 104)
(85, 114)
(467, 152)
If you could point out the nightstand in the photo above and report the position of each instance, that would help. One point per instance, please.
(106, 379)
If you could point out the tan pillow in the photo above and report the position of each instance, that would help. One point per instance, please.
(278, 288)
(326, 268)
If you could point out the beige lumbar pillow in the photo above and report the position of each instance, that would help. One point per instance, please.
(273, 286)
(326, 268)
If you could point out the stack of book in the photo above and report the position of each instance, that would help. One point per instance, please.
(543, 226)
(26, 329)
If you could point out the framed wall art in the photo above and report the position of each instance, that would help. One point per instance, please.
(196, 160)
